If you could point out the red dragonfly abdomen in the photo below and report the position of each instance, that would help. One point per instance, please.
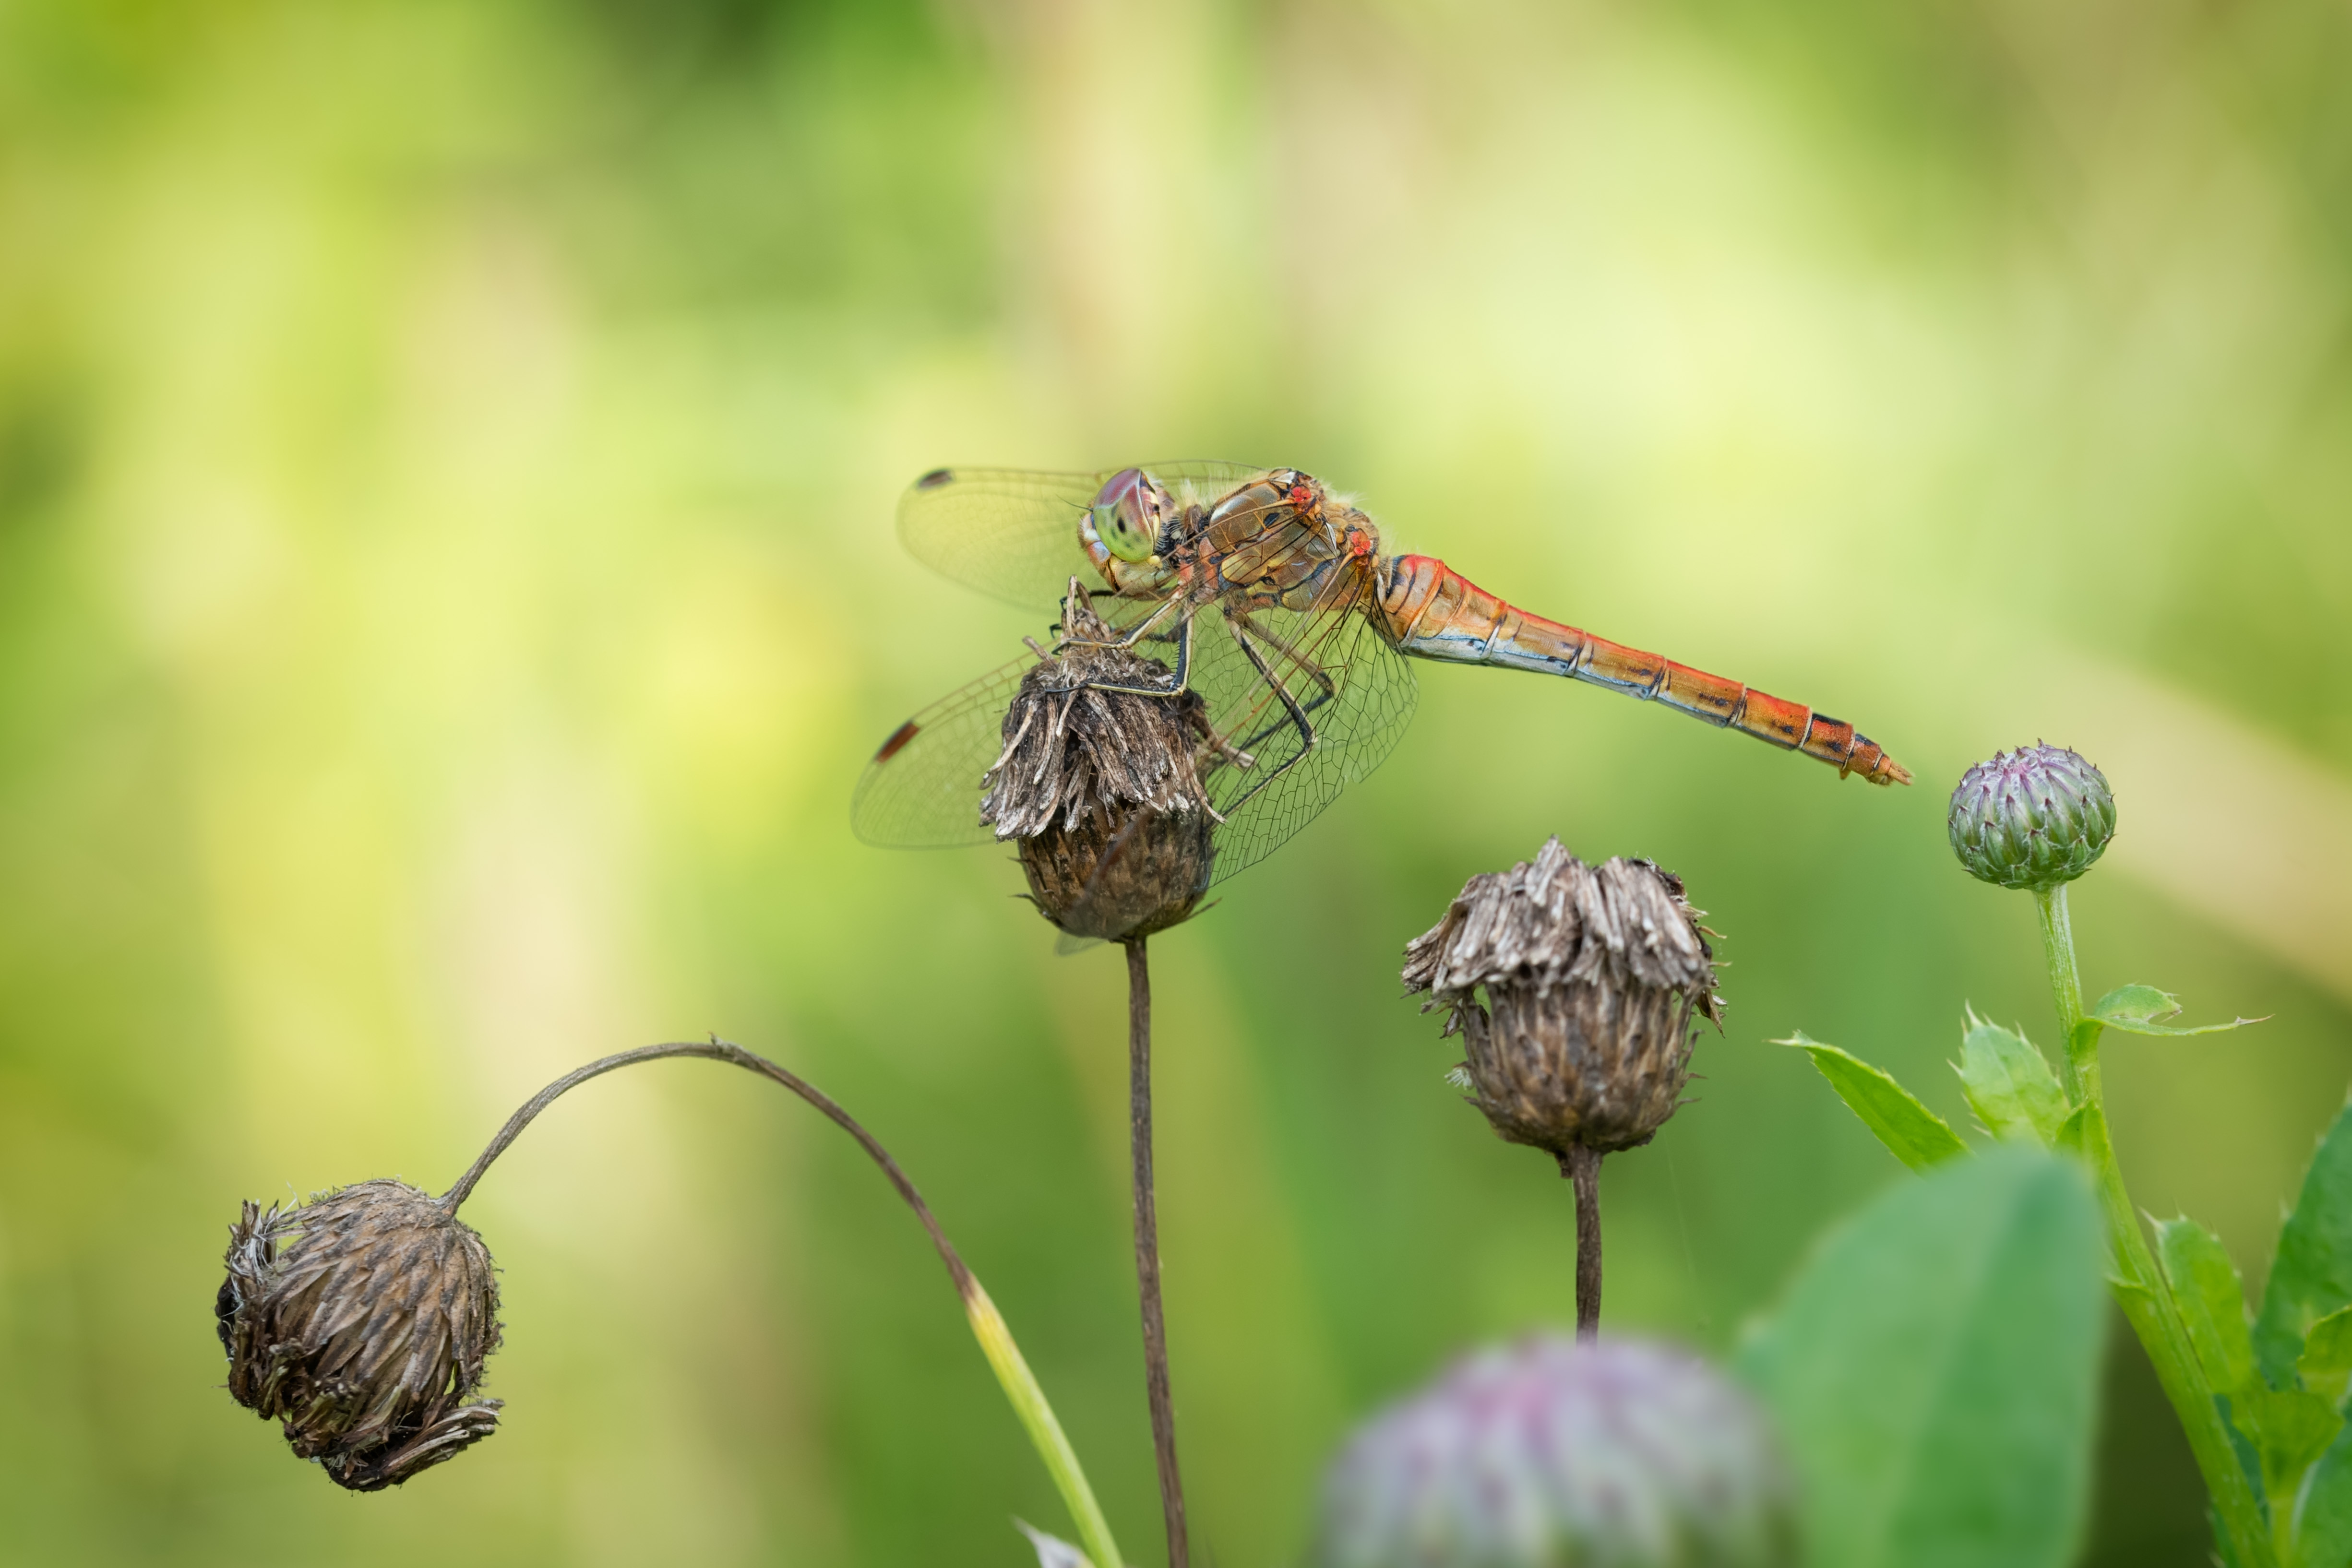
(1433, 612)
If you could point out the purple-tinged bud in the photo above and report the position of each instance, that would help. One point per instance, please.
(1547, 1452)
(2036, 818)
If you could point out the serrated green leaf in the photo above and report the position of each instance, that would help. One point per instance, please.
(2213, 1302)
(2326, 1365)
(2289, 1428)
(1935, 1370)
(2312, 1275)
(2135, 1010)
(1912, 1132)
(2009, 1084)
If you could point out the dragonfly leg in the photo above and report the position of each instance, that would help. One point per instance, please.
(1326, 688)
(1133, 637)
(1218, 744)
(1296, 713)
(1180, 682)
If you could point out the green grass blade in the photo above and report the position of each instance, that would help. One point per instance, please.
(1046, 1433)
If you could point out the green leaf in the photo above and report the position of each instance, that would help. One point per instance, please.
(2312, 1275)
(2136, 1004)
(2137, 1008)
(1912, 1132)
(1935, 1370)
(2290, 1430)
(2009, 1084)
(2324, 1521)
(2084, 1135)
(2213, 1302)
(2326, 1365)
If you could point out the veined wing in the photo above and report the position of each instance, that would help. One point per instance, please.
(922, 789)
(1013, 532)
(1271, 677)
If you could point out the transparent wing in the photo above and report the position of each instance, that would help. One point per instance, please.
(1013, 532)
(922, 789)
(1272, 678)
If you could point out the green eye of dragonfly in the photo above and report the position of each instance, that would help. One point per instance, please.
(1118, 536)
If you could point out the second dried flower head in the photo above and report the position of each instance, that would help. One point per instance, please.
(1589, 976)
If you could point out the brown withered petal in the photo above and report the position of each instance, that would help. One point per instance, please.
(1590, 978)
(360, 1322)
(1100, 790)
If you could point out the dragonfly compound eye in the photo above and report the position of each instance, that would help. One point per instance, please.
(1128, 514)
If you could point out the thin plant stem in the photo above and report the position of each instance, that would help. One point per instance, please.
(1582, 1166)
(2065, 986)
(2140, 1287)
(1147, 1252)
(988, 1326)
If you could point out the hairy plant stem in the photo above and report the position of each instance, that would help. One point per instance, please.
(2139, 1285)
(988, 1326)
(1581, 1167)
(1147, 1252)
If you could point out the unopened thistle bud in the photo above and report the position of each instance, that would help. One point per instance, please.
(360, 1322)
(1589, 977)
(2036, 818)
(1546, 1452)
(1099, 790)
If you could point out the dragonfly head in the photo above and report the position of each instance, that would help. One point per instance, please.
(1129, 513)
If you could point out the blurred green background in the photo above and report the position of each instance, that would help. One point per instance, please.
(448, 589)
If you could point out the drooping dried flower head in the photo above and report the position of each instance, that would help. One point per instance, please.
(1590, 976)
(1101, 790)
(2036, 818)
(360, 1321)
(1548, 1452)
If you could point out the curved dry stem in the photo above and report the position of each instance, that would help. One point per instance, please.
(718, 1050)
(988, 1326)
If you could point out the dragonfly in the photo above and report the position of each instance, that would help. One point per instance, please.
(1268, 594)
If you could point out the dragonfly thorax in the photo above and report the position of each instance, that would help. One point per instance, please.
(1278, 537)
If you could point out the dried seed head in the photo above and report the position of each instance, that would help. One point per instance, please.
(2035, 818)
(1548, 1452)
(360, 1321)
(1100, 790)
(1590, 977)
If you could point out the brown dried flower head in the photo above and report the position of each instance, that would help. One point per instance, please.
(1590, 976)
(360, 1321)
(1100, 790)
